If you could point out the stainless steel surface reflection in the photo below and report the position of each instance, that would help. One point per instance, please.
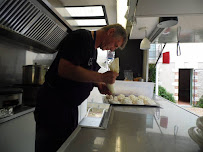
(139, 129)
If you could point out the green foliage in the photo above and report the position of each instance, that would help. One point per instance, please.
(200, 102)
(152, 73)
(163, 93)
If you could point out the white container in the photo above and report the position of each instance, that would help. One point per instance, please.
(200, 123)
(134, 87)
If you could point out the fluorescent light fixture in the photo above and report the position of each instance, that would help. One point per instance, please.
(86, 22)
(145, 44)
(85, 11)
(86, 16)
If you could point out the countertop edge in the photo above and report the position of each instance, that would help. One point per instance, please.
(21, 112)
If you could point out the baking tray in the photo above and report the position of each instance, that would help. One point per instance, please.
(157, 105)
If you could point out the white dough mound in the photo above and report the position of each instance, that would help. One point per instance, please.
(121, 97)
(131, 99)
(126, 100)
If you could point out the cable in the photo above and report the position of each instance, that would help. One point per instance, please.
(160, 55)
(178, 43)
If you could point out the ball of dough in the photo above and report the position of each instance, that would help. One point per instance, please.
(109, 97)
(115, 98)
(126, 100)
(121, 97)
(132, 97)
(139, 101)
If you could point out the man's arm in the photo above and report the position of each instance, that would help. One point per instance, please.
(77, 73)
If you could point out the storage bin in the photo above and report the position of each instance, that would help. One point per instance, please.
(135, 88)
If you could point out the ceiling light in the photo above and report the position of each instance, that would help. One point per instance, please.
(87, 22)
(145, 43)
(86, 16)
(85, 11)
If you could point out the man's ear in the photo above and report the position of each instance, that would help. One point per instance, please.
(111, 31)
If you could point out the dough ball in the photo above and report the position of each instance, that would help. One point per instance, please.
(138, 101)
(126, 100)
(121, 97)
(132, 97)
(109, 97)
(115, 98)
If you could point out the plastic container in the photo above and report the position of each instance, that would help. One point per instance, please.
(135, 88)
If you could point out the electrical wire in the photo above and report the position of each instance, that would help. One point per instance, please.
(160, 55)
(178, 43)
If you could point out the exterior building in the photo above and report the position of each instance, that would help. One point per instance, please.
(183, 76)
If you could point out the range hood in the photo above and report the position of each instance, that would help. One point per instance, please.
(32, 23)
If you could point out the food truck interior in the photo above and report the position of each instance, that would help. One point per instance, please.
(30, 34)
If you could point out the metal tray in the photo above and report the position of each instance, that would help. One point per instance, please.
(157, 105)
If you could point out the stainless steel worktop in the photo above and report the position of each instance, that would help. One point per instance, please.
(141, 129)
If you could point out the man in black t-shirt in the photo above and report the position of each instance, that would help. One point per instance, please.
(69, 81)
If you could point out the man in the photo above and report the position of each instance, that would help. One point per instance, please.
(69, 81)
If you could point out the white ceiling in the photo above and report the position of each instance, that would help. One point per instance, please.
(189, 13)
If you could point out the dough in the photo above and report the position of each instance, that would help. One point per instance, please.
(133, 97)
(126, 100)
(115, 98)
(121, 97)
(109, 97)
(147, 100)
(138, 101)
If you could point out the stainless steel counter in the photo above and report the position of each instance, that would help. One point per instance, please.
(140, 129)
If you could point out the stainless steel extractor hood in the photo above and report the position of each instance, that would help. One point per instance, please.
(33, 24)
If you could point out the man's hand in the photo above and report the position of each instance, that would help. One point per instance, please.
(109, 77)
(103, 89)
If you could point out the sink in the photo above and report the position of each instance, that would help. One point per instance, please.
(96, 118)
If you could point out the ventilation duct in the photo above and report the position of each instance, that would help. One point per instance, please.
(27, 22)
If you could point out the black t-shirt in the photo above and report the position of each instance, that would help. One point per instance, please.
(78, 48)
